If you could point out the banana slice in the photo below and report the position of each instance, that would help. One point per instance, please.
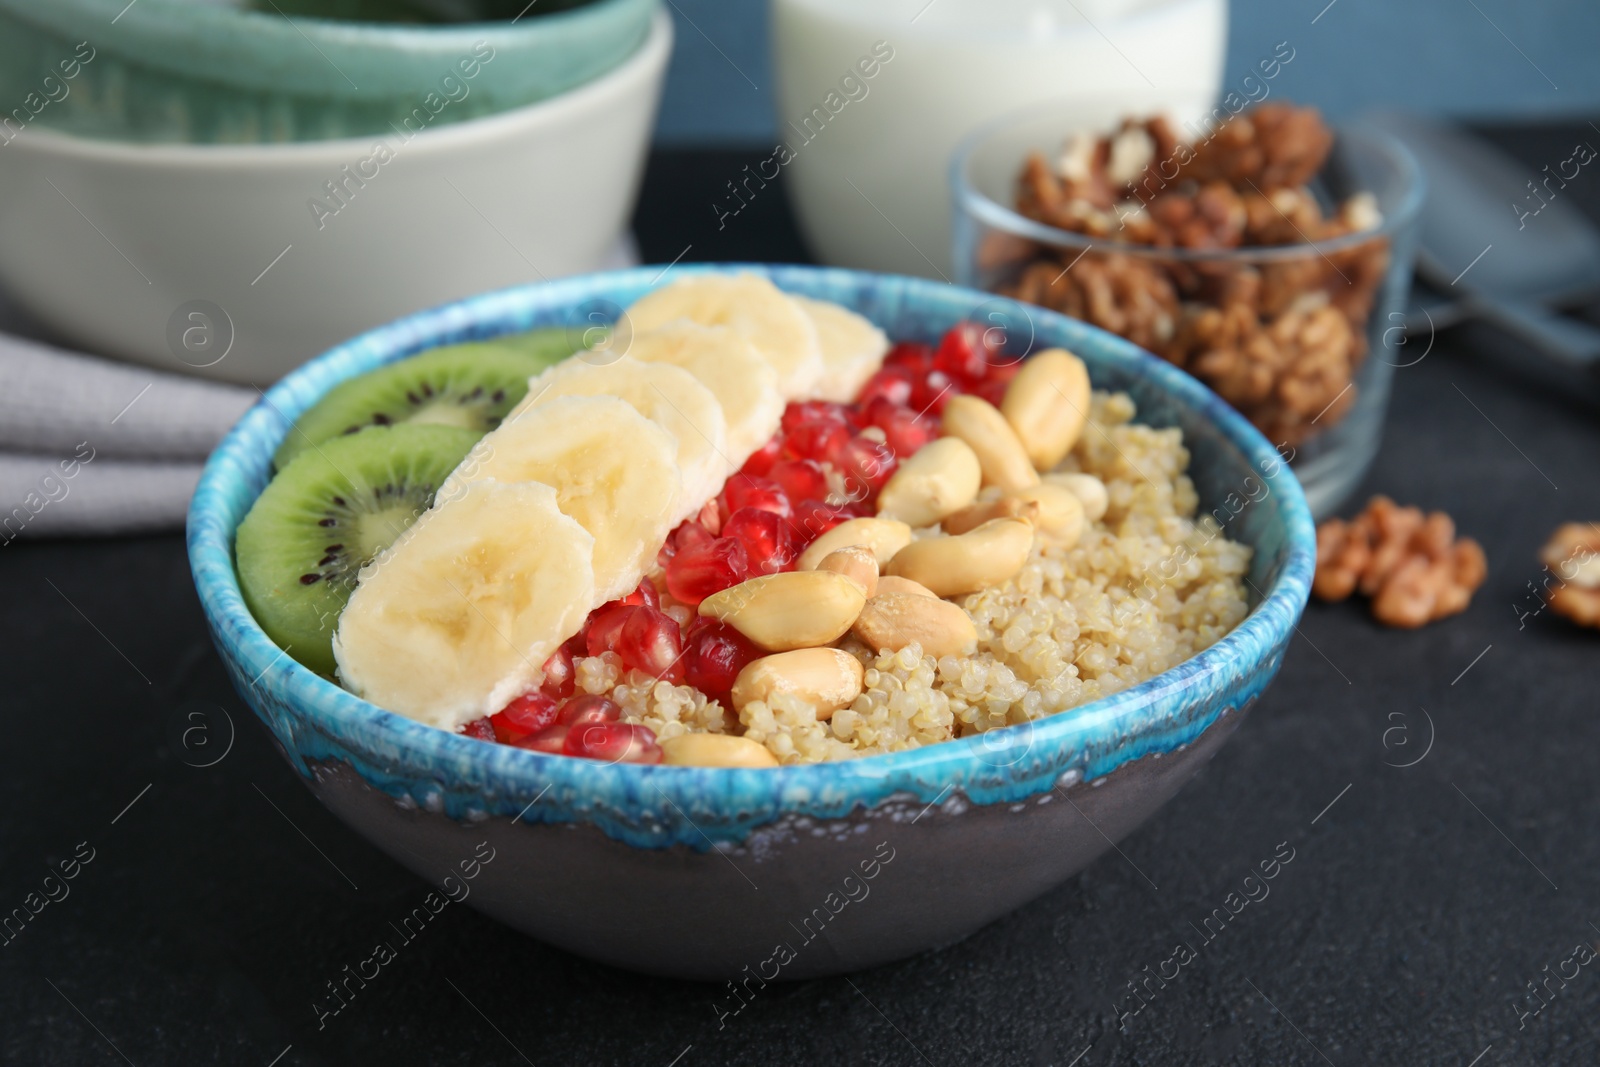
(748, 305)
(669, 396)
(743, 382)
(852, 349)
(613, 470)
(460, 614)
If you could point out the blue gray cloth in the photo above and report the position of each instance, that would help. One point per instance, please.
(88, 446)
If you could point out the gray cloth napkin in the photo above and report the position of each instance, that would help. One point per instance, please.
(88, 446)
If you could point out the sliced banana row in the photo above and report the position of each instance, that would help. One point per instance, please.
(459, 615)
(564, 506)
(817, 349)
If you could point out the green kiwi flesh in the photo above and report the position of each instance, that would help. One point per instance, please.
(327, 514)
(469, 386)
(552, 344)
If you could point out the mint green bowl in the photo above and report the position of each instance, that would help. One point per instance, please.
(209, 71)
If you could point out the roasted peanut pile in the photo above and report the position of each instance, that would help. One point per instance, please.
(1038, 556)
(1413, 566)
(1280, 339)
(1573, 555)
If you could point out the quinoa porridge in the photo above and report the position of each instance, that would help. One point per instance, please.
(765, 535)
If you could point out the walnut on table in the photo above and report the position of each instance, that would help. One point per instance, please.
(1413, 566)
(1573, 556)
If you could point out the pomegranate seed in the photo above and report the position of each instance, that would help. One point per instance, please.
(559, 672)
(689, 535)
(813, 412)
(800, 478)
(914, 356)
(930, 394)
(697, 572)
(962, 353)
(530, 713)
(613, 742)
(904, 430)
(991, 390)
(651, 642)
(645, 594)
(588, 708)
(1003, 370)
(717, 654)
(744, 491)
(605, 626)
(548, 740)
(480, 729)
(817, 439)
(768, 539)
(813, 518)
(762, 459)
(867, 464)
(890, 383)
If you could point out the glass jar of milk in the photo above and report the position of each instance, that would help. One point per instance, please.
(874, 95)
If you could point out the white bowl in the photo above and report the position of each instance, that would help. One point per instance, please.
(219, 261)
(870, 155)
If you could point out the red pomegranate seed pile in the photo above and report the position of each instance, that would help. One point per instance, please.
(765, 516)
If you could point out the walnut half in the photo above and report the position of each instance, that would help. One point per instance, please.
(1412, 565)
(1573, 555)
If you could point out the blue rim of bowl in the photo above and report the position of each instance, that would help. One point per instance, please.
(468, 778)
(348, 39)
(1003, 217)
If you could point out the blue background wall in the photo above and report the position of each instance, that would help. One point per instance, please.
(1441, 56)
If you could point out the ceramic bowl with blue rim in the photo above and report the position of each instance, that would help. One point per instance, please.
(262, 72)
(794, 872)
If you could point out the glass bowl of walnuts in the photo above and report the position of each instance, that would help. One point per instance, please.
(1264, 252)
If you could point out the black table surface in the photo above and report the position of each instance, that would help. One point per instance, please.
(1420, 902)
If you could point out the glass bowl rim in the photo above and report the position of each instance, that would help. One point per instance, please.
(1006, 219)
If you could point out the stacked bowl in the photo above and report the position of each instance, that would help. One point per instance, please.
(227, 188)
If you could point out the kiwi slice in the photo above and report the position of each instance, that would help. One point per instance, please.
(550, 344)
(470, 386)
(325, 516)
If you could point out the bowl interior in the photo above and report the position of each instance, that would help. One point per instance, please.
(1239, 476)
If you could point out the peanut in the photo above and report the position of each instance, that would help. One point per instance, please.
(1089, 490)
(943, 476)
(1004, 506)
(882, 537)
(966, 563)
(715, 750)
(891, 621)
(825, 678)
(1001, 455)
(854, 562)
(1057, 511)
(891, 583)
(792, 609)
(1047, 403)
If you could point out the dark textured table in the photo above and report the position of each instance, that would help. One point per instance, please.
(211, 904)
